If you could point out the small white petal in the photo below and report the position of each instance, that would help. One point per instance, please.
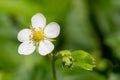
(52, 30)
(24, 35)
(38, 21)
(26, 48)
(45, 47)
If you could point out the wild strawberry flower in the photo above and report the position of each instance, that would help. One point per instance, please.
(38, 37)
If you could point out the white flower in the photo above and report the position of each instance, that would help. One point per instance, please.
(38, 37)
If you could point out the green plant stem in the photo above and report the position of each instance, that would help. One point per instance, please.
(53, 66)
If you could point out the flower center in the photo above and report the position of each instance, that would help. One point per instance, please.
(37, 35)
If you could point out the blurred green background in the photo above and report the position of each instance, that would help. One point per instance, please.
(90, 25)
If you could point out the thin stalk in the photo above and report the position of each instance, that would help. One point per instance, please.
(53, 67)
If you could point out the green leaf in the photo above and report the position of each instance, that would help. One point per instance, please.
(83, 59)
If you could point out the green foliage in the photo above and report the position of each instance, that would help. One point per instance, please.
(90, 25)
(83, 59)
(77, 58)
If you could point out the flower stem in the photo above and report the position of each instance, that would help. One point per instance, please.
(53, 66)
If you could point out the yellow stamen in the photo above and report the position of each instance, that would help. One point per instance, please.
(37, 35)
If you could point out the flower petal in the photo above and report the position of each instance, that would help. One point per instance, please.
(38, 21)
(52, 30)
(45, 47)
(24, 35)
(26, 48)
